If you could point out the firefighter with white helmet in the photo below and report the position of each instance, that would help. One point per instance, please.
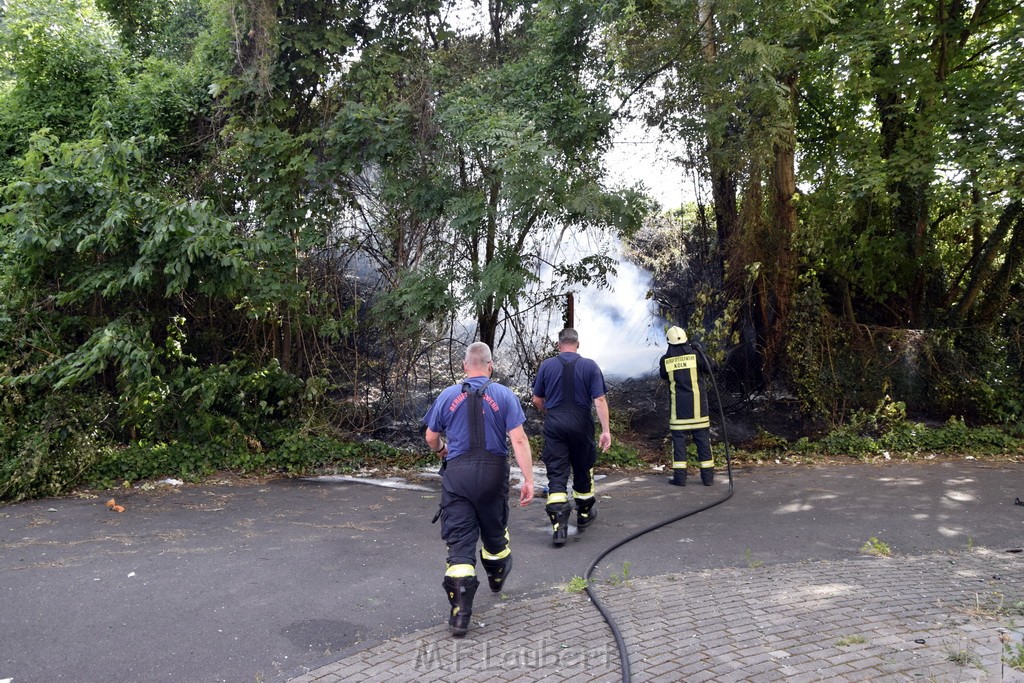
(684, 366)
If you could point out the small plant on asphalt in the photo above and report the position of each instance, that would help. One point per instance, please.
(577, 584)
(856, 639)
(752, 563)
(875, 547)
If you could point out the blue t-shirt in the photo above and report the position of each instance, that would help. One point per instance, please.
(502, 414)
(588, 381)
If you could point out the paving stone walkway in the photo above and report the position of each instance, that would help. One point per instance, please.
(942, 617)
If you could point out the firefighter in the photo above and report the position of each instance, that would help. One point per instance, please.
(474, 416)
(565, 388)
(683, 367)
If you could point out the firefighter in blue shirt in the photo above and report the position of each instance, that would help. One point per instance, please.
(564, 390)
(475, 416)
(683, 367)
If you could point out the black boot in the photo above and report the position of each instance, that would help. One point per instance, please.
(559, 513)
(460, 594)
(497, 571)
(585, 513)
(678, 477)
(707, 475)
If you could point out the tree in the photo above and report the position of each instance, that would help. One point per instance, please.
(912, 152)
(723, 78)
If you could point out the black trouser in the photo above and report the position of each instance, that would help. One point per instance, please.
(474, 500)
(569, 444)
(701, 437)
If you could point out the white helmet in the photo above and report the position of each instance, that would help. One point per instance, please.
(676, 335)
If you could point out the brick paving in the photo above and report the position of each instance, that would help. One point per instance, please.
(938, 617)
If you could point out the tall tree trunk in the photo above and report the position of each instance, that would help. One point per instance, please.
(723, 180)
(782, 227)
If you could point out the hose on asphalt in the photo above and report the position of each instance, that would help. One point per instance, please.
(627, 676)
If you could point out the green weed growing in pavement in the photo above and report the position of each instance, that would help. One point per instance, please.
(577, 584)
(856, 639)
(751, 562)
(1013, 655)
(962, 657)
(616, 579)
(875, 547)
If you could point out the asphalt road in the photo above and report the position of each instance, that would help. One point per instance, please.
(251, 581)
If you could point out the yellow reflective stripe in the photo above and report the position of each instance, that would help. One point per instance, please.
(558, 498)
(707, 463)
(500, 556)
(586, 496)
(696, 393)
(679, 465)
(689, 423)
(458, 571)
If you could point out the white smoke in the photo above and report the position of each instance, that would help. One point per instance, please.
(619, 327)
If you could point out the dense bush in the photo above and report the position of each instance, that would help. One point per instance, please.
(48, 443)
(840, 372)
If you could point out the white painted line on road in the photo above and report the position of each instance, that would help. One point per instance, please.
(389, 483)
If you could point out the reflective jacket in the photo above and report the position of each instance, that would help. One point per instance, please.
(683, 367)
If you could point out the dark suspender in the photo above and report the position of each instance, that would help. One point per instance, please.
(477, 435)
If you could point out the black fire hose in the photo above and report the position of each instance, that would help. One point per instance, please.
(627, 676)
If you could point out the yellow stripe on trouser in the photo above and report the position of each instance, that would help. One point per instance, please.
(585, 496)
(707, 463)
(500, 556)
(458, 571)
(679, 465)
(558, 498)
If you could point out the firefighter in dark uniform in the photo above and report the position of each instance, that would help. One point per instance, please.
(475, 416)
(564, 390)
(683, 367)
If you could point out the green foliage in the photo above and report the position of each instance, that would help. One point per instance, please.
(288, 450)
(962, 657)
(619, 454)
(577, 584)
(49, 442)
(887, 432)
(875, 547)
(61, 57)
(843, 373)
(846, 641)
(751, 562)
(1013, 655)
(617, 578)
